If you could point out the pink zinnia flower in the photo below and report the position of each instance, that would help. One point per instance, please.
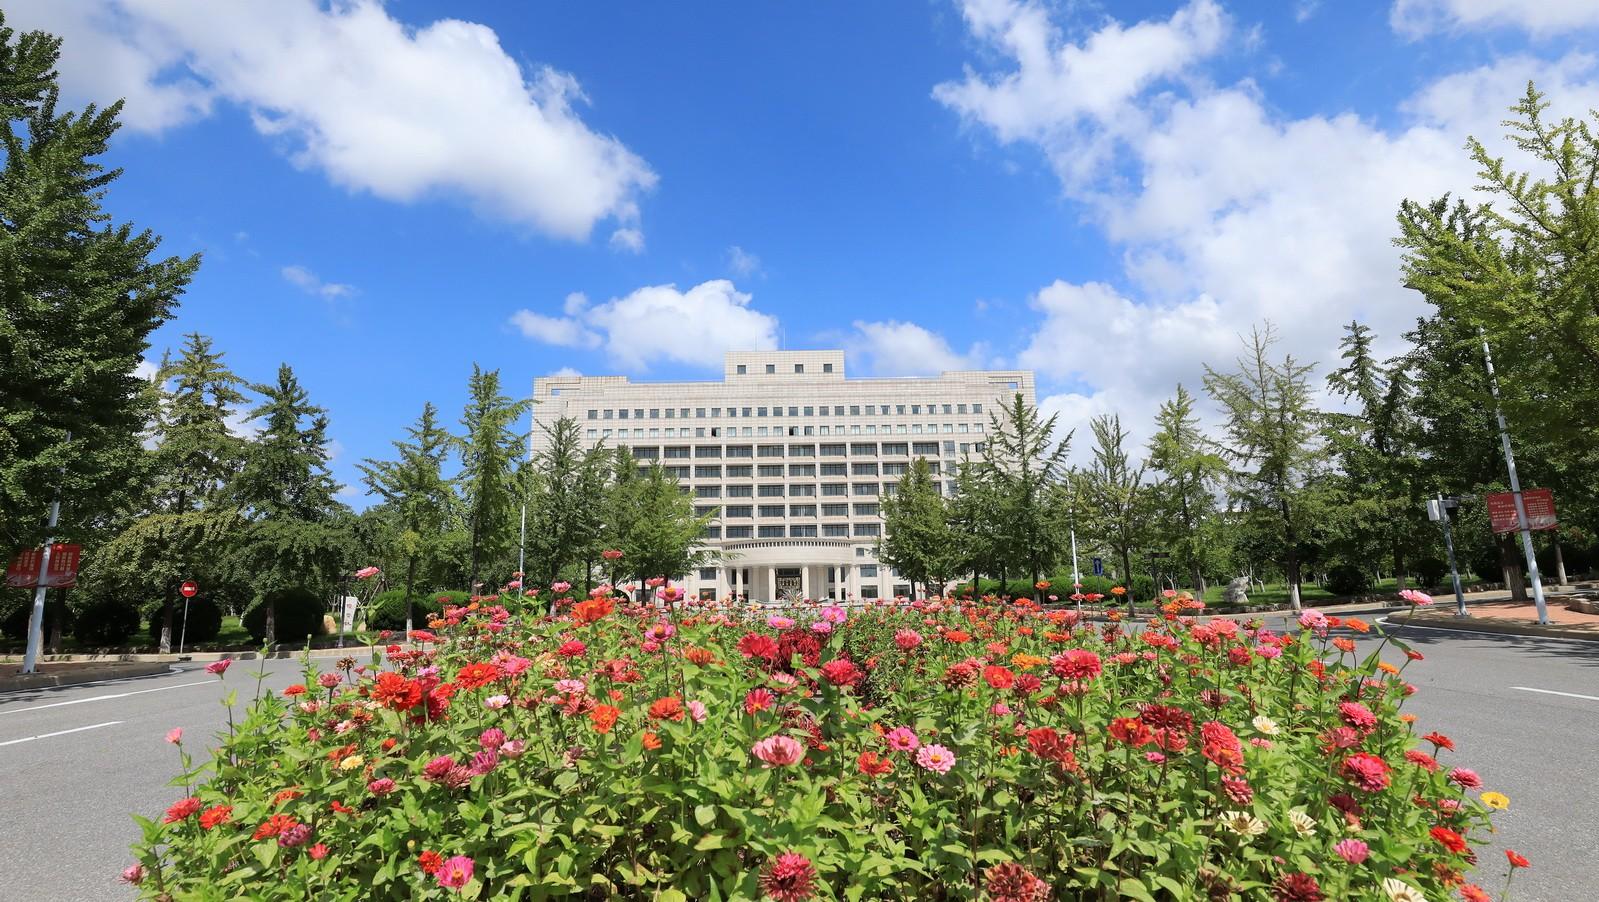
(560, 586)
(758, 700)
(907, 639)
(902, 739)
(219, 667)
(822, 627)
(790, 877)
(455, 872)
(496, 702)
(1312, 619)
(834, 614)
(1465, 778)
(935, 758)
(492, 738)
(1419, 599)
(570, 687)
(778, 751)
(175, 735)
(1352, 850)
(381, 786)
(697, 711)
(133, 874)
(779, 622)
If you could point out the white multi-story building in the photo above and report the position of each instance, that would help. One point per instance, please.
(790, 456)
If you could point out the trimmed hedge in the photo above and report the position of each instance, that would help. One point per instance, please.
(1431, 571)
(387, 610)
(299, 614)
(14, 622)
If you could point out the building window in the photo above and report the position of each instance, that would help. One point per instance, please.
(863, 449)
(834, 469)
(799, 367)
(594, 414)
(708, 451)
(833, 489)
(708, 473)
(766, 471)
(802, 451)
(863, 469)
(593, 432)
(977, 408)
(770, 451)
(869, 591)
(740, 451)
(833, 450)
(711, 532)
(738, 510)
(771, 368)
(835, 530)
(895, 469)
(770, 510)
(827, 367)
(740, 491)
(802, 469)
(869, 571)
(867, 529)
(868, 509)
(865, 488)
(771, 491)
(705, 510)
(802, 510)
(802, 532)
(804, 490)
(738, 471)
(771, 532)
(835, 510)
(676, 451)
(739, 532)
(742, 369)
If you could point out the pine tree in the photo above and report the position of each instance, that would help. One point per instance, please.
(489, 445)
(1116, 494)
(1274, 444)
(565, 511)
(1189, 472)
(1027, 464)
(658, 533)
(415, 487)
(79, 298)
(287, 494)
(919, 541)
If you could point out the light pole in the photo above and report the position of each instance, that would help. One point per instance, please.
(1438, 509)
(521, 547)
(1515, 487)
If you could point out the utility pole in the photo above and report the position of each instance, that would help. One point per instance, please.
(30, 658)
(1515, 487)
(1439, 510)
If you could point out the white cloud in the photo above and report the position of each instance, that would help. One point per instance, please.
(1416, 18)
(377, 105)
(308, 282)
(628, 240)
(742, 262)
(658, 323)
(145, 370)
(894, 348)
(1226, 212)
(566, 371)
(1305, 9)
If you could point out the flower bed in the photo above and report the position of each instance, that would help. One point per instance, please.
(932, 751)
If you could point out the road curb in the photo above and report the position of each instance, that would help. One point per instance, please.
(196, 657)
(1475, 625)
(120, 671)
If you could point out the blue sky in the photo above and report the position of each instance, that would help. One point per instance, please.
(1107, 193)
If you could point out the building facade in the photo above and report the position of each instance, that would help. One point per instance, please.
(790, 456)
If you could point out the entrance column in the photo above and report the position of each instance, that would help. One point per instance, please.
(733, 575)
(771, 583)
(852, 580)
(805, 581)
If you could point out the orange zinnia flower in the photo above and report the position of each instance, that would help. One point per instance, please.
(652, 741)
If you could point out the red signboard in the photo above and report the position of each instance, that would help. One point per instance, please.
(189, 589)
(63, 573)
(1540, 504)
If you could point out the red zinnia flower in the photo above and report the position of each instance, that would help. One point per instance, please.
(275, 826)
(294, 690)
(874, 765)
(430, 861)
(790, 877)
(1075, 664)
(1221, 745)
(758, 645)
(758, 700)
(1130, 731)
(476, 676)
(1439, 740)
(999, 677)
(395, 691)
(1297, 887)
(216, 814)
(1010, 882)
(1516, 859)
(1449, 839)
(1471, 892)
(668, 708)
(842, 672)
(181, 810)
(603, 717)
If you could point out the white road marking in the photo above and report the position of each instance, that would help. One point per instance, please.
(102, 698)
(1390, 623)
(93, 726)
(1591, 698)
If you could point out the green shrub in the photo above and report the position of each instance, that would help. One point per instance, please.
(205, 621)
(1346, 579)
(387, 610)
(299, 614)
(105, 622)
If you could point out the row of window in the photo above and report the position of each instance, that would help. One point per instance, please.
(834, 574)
(856, 449)
(736, 511)
(800, 490)
(776, 471)
(716, 413)
(777, 431)
(795, 531)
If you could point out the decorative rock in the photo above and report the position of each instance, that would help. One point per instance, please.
(1237, 591)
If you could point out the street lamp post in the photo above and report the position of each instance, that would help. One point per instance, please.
(1515, 487)
(1438, 509)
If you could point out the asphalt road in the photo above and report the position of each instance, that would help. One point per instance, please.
(75, 761)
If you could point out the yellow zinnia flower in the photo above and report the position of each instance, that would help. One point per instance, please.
(1498, 801)
(352, 762)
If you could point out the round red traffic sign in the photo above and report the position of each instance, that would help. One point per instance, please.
(189, 588)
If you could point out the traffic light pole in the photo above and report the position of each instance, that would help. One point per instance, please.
(1454, 571)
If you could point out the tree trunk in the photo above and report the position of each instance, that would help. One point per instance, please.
(271, 623)
(410, 575)
(1293, 573)
(55, 627)
(1127, 578)
(1514, 579)
(1560, 562)
(165, 645)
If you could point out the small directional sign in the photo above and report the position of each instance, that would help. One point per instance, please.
(1099, 566)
